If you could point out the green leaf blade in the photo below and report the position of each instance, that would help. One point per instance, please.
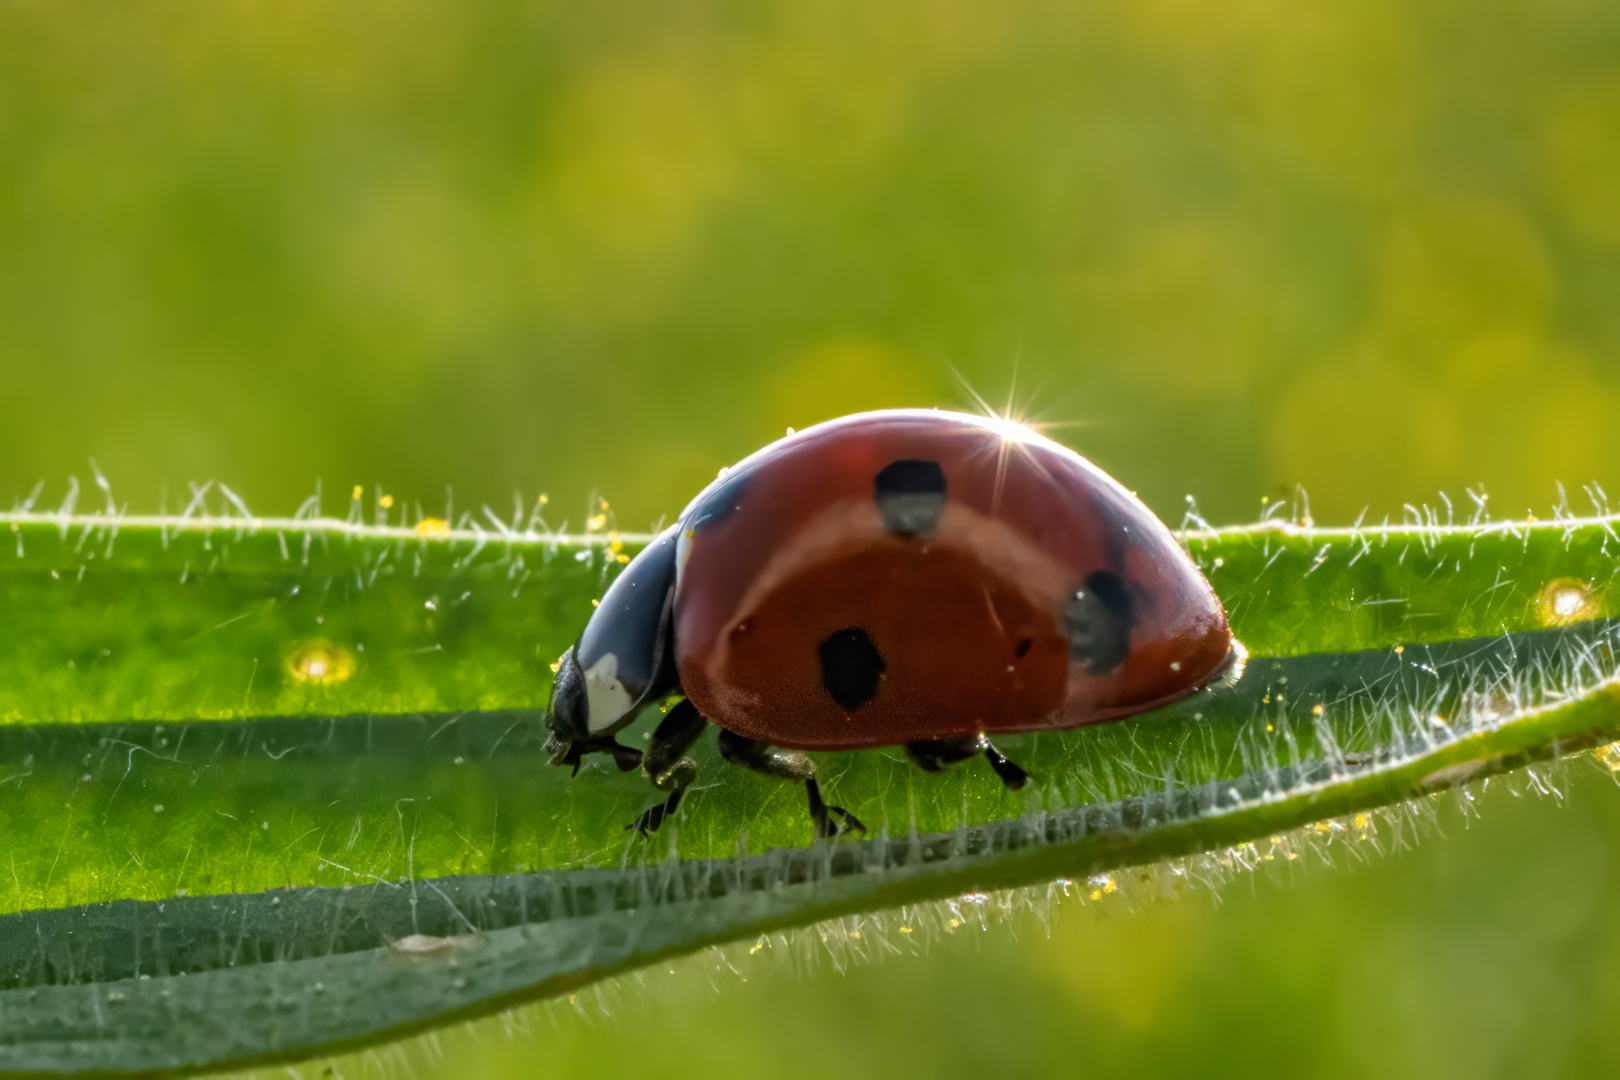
(1292, 590)
(411, 801)
(215, 621)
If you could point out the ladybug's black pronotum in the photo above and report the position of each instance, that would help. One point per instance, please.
(908, 578)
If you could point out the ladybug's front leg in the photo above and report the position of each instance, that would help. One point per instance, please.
(933, 755)
(666, 765)
(788, 765)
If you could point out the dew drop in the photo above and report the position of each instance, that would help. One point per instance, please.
(1564, 600)
(319, 661)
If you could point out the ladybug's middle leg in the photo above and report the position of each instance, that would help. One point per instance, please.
(665, 762)
(788, 765)
(933, 755)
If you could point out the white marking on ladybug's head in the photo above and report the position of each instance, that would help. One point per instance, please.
(606, 699)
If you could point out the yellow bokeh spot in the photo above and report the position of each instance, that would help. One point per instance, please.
(1454, 270)
(433, 527)
(358, 491)
(1609, 756)
(1206, 274)
(1583, 158)
(595, 522)
(1462, 372)
(1564, 600)
(844, 376)
(642, 150)
(320, 662)
(386, 502)
(1335, 89)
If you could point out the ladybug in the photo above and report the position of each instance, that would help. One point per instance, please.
(910, 578)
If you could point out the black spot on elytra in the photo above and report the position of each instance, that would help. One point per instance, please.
(1098, 618)
(1023, 648)
(911, 476)
(850, 667)
(910, 495)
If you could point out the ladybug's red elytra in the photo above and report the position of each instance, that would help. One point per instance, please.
(910, 578)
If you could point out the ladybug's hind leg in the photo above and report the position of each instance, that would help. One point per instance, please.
(933, 755)
(789, 765)
(665, 762)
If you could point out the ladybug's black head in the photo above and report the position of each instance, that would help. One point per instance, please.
(567, 717)
(568, 721)
(625, 658)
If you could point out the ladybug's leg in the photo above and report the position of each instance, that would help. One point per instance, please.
(573, 753)
(933, 755)
(788, 765)
(666, 765)
(1011, 775)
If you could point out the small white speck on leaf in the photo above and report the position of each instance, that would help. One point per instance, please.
(420, 944)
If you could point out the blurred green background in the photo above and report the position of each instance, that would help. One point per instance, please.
(1368, 247)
